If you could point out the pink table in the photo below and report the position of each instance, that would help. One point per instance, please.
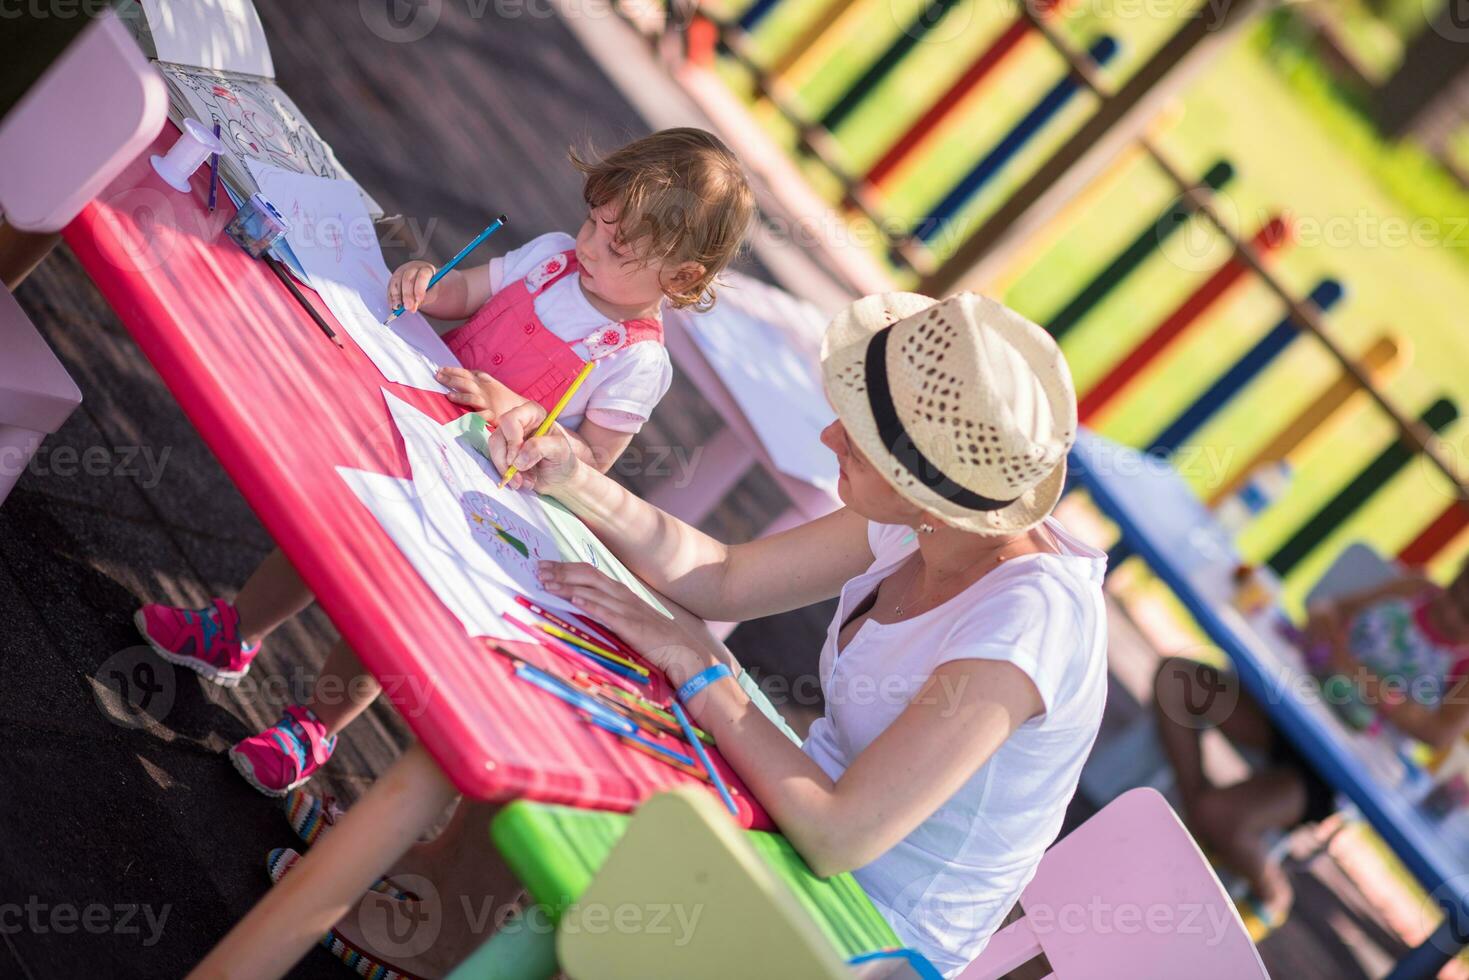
(281, 406)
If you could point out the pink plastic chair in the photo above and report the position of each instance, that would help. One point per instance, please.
(87, 117)
(1127, 894)
(36, 393)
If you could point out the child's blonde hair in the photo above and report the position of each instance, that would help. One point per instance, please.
(681, 196)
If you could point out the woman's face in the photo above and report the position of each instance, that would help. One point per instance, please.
(860, 485)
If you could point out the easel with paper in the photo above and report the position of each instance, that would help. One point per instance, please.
(216, 62)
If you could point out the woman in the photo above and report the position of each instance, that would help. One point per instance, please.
(965, 670)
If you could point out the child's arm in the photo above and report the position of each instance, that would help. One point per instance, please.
(454, 297)
(478, 391)
(1437, 725)
(598, 445)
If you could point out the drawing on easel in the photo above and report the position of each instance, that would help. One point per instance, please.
(257, 121)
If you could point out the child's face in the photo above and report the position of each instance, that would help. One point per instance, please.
(613, 270)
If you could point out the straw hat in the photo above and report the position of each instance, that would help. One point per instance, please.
(964, 405)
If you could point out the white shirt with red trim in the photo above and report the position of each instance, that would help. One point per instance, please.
(627, 384)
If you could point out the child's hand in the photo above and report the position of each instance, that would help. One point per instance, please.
(409, 286)
(468, 388)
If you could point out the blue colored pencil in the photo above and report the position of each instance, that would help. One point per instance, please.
(479, 240)
(214, 175)
(553, 686)
(693, 739)
(630, 732)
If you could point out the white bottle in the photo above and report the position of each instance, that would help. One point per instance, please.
(1266, 485)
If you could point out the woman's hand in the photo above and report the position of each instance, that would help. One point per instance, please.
(666, 644)
(542, 463)
(472, 389)
(408, 287)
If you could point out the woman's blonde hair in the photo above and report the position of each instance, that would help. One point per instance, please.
(681, 196)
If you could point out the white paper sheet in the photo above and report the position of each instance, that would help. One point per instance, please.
(225, 35)
(457, 490)
(777, 388)
(336, 243)
(476, 598)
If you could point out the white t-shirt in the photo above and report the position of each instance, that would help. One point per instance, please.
(628, 384)
(947, 886)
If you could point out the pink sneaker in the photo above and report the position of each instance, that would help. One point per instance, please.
(207, 641)
(286, 754)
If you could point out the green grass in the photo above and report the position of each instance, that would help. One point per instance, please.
(1305, 157)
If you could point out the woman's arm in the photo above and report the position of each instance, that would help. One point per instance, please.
(960, 717)
(732, 583)
(951, 727)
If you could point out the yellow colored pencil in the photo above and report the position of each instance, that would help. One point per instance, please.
(574, 640)
(550, 420)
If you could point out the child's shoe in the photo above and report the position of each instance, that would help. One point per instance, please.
(207, 641)
(286, 754)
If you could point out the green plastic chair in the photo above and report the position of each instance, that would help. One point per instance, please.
(676, 889)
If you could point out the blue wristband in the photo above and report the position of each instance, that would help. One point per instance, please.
(702, 680)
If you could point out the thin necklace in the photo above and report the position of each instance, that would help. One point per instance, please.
(998, 555)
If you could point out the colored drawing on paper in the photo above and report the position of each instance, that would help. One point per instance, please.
(257, 121)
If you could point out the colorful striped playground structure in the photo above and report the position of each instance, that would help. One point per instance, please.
(973, 141)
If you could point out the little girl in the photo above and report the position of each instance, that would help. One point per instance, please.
(666, 214)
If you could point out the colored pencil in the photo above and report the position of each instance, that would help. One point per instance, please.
(714, 777)
(601, 651)
(648, 706)
(285, 277)
(688, 770)
(621, 645)
(570, 627)
(553, 686)
(646, 717)
(577, 654)
(214, 175)
(550, 419)
(629, 731)
(475, 243)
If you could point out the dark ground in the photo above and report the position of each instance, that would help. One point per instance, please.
(126, 505)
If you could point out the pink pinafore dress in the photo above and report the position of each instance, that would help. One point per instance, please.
(507, 339)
